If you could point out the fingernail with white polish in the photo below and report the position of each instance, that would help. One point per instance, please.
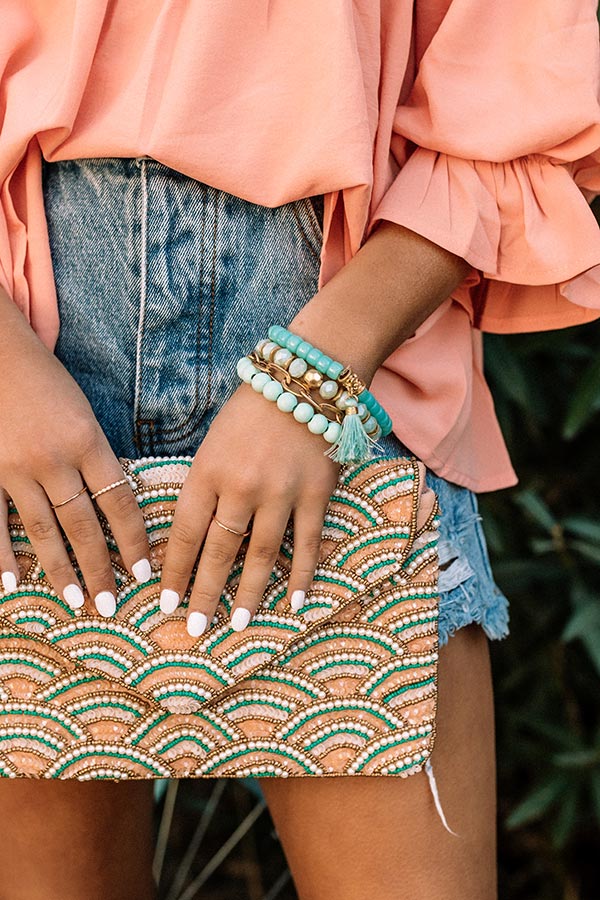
(142, 570)
(9, 581)
(169, 600)
(240, 618)
(196, 623)
(105, 603)
(73, 595)
(297, 600)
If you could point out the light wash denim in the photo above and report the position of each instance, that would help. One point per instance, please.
(163, 283)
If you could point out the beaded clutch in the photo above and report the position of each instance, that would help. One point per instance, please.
(345, 686)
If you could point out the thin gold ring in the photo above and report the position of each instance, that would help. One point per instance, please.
(62, 502)
(108, 487)
(231, 530)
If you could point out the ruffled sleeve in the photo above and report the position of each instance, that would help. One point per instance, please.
(496, 151)
(25, 260)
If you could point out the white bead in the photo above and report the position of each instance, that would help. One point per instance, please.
(328, 389)
(247, 373)
(297, 367)
(341, 400)
(268, 349)
(282, 356)
(242, 364)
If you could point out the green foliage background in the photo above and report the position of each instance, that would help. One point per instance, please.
(544, 538)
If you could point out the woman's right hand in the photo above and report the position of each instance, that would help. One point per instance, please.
(51, 445)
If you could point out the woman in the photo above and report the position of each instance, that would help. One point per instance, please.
(162, 170)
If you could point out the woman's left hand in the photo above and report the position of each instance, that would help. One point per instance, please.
(255, 463)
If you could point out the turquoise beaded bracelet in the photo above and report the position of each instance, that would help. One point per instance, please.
(329, 367)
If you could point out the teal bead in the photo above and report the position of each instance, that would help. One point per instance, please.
(371, 424)
(377, 434)
(292, 342)
(369, 401)
(323, 363)
(303, 412)
(333, 432)
(318, 424)
(362, 410)
(276, 333)
(286, 402)
(259, 381)
(303, 348)
(312, 356)
(273, 390)
(334, 370)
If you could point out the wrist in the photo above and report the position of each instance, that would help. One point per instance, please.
(363, 356)
(379, 298)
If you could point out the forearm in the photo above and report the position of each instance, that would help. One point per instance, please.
(378, 299)
(17, 338)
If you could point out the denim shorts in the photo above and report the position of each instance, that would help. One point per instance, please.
(163, 283)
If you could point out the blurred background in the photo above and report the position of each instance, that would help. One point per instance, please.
(215, 839)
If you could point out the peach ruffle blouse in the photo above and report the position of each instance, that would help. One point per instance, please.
(474, 124)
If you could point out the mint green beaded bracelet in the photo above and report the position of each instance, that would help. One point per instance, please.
(273, 390)
(349, 442)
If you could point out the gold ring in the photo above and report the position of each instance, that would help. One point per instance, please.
(231, 530)
(108, 487)
(62, 502)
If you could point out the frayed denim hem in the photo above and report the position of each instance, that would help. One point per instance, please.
(457, 609)
(468, 595)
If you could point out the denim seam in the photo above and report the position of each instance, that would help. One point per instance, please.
(180, 432)
(143, 300)
(211, 311)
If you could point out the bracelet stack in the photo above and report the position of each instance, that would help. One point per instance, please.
(319, 391)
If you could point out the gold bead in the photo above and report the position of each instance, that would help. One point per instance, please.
(312, 378)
